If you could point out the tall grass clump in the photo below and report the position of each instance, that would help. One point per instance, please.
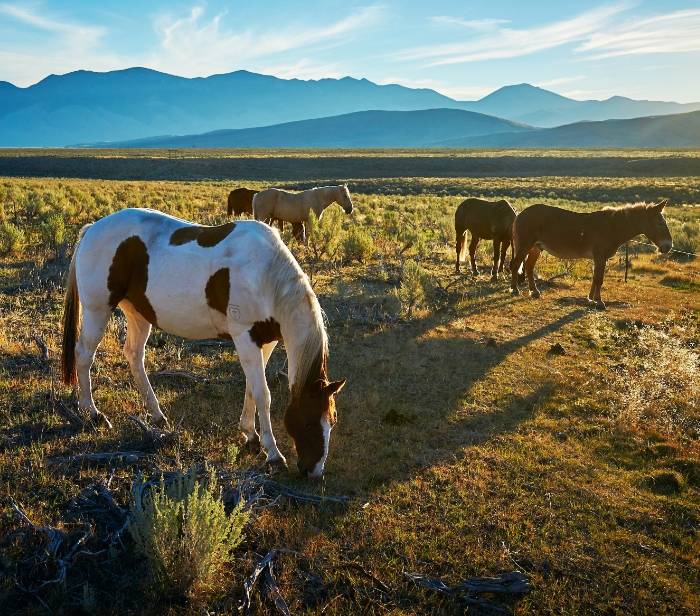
(183, 532)
(324, 234)
(660, 385)
(415, 287)
(358, 245)
(12, 238)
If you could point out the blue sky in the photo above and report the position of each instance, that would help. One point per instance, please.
(465, 49)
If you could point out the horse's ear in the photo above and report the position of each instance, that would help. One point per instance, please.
(661, 204)
(334, 387)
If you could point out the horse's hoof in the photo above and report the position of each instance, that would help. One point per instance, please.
(276, 465)
(161, 422)
(251, 445)
(100, 419)
(600, 305)
(494, 278)
(534, 294)
(515, 292)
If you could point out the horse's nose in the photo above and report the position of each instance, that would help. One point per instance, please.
(302, 469)
(666, 246)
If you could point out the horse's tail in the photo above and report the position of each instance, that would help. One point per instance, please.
(71, 320)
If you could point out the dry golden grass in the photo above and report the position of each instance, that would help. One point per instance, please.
(468, 448)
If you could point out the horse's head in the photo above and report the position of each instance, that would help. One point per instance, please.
(344, 199)
(655, 227)
(309, 419)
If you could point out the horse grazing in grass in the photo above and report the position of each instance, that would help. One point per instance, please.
(295, 207)
(575, 235)
(240, 201)
(490, 220)
(236, 281)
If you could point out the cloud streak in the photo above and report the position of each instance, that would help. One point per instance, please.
(511, 43)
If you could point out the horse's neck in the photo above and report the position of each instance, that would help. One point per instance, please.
(324, 197)
(303, 341)
(626, 225)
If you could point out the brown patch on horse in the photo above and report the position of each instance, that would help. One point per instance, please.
(217, 290)
(224, 336)
(264, 332)
(128, 277)
(205, 236)
(240, 201)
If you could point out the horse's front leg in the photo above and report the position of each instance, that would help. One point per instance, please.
(253, 361)
(496, 253)
(598, 274)
(247, 423)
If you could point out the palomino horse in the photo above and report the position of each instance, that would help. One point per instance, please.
(575, 235)
(295, 207)
(490, 220)
(240, 201)
(236, 281)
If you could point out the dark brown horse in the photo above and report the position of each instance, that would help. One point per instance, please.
(575, 235)
(240, 201)
(490, 220)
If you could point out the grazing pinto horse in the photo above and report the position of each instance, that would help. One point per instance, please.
(295, 207)
(575, 235)
(236, 281)
(240, 201)
(490, 220)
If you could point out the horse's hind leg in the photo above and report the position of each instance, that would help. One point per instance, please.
(247, 423)
(137, 331)
(473, 243)
(92, 329)
(496, 252)
(459, 245)
(532, 257)
(504, 250)
(251, 357)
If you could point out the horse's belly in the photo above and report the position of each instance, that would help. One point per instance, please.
(563, 251)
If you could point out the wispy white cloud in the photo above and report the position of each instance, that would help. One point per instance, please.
(558, 81)
(471, 24)
(504, 42)
(674, 32)
(194, 44)
(86, 34)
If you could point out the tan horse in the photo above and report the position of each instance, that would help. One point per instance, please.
(575, 235)
(490, 220)
(295, 207)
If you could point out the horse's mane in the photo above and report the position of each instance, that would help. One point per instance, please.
(290, 289)
(628, 208)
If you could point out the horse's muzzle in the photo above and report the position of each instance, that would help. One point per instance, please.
(306, 474)
(665, 247)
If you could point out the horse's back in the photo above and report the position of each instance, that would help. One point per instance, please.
(564, 233)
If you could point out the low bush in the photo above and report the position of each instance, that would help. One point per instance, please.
(183, 532)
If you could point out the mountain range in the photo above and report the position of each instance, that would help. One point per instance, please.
(85, 107)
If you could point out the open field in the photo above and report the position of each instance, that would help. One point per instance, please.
(340, 165)
(469, 443)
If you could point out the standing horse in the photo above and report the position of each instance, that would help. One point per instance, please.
(240, 201)
(236, 281)
(295, 207)
(490, 220)
(575, 235)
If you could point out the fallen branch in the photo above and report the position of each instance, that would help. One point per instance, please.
(513, 583)
(73, 418)
(124, 457)
(152, 434)
(43, 349)
(184, 374)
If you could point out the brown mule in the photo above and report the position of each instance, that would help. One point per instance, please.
(490, 220)
(576, 235)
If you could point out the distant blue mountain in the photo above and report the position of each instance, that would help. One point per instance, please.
(87, 107)
(362, 129)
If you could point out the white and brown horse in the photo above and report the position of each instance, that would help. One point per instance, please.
(295, 207)
(237, 281)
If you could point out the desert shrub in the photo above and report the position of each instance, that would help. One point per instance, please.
(686, 239)
(324, 234)
(660, 384)
(184, 533)
(358, 245)
(11, 238)
(53, 233)
(414, 288)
